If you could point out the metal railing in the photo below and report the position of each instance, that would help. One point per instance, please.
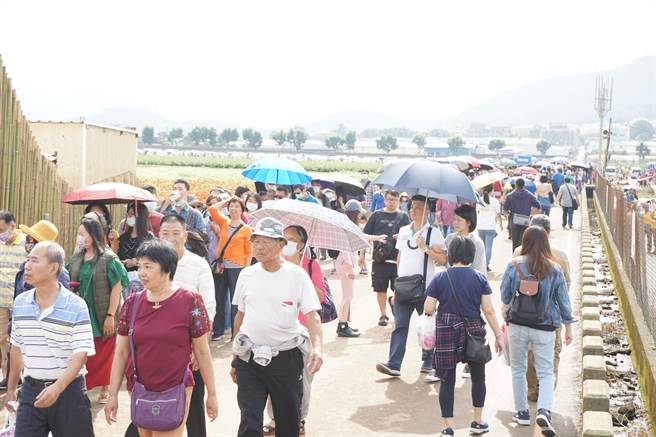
(635, 238)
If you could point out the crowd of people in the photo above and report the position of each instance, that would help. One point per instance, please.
(145, 299)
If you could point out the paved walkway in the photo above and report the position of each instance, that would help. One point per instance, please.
(350, 398)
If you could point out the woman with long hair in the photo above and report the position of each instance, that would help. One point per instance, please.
(137, 230)
(105, 217)
(536, 302)
(101, 277)
(489, 213)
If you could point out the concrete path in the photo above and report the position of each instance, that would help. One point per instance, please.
(350, 398)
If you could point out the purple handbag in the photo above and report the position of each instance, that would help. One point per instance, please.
(156, 411)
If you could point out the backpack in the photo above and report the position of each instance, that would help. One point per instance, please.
(525, 308)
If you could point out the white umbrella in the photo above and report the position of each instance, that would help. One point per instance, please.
(327, 229)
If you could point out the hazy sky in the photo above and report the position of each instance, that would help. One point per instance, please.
(275, 62)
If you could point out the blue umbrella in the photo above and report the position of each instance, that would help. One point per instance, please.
(528, 184)
(277, 171)
(430, 179)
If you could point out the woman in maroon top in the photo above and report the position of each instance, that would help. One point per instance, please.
(170, 324)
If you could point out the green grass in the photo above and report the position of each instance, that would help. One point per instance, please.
(350, 168)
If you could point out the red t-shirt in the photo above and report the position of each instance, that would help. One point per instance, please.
(163, 338)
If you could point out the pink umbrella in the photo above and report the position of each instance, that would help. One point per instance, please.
(526, 170)
(327, 229)
(108, 192)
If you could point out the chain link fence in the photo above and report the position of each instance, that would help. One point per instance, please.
(634, 235)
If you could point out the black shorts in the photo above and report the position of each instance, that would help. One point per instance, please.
(383, 276)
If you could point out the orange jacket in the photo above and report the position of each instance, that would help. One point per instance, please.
(240, 248)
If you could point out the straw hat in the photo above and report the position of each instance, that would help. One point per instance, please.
(41, 231)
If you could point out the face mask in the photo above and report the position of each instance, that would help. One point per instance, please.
(251, 207)
(5, 236)
(316, 190)
(290, 249)
(131, 221)
(404, 205)
(81, 242)
(224, 211)
(299, 196)
(152, 206)
(179, 203)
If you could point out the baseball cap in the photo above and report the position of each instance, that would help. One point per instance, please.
(270, 228)
(354, 205)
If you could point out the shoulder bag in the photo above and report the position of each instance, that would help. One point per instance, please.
(477, 350)
(411, 289)
(217, 265)
(575, 203)
(157, 411)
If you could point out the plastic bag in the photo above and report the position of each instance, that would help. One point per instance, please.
(506, 344)
(9, 429)
(426, 331)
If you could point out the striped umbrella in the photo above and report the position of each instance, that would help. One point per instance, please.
(327, 229)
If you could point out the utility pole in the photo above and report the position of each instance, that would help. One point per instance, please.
(602, 105)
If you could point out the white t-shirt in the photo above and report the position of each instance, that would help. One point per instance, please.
(271, 301)
(487, 215)
(411, 261)
(194, 274)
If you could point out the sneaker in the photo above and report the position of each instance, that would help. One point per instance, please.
(344, 330)
(426, 369)
(466, 373)
(430, 379)
(217, 337)
(382, 321)
(522, 418)
(364, 272)
(384, 368)
(448, 431)
(544, 422)
(479, 428)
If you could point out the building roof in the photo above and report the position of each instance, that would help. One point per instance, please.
(102, 126)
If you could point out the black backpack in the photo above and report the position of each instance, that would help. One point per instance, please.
(525, 308)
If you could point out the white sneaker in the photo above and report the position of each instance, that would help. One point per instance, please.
(429, 379)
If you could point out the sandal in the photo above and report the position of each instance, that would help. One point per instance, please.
(301, 428)
(103, 398)
(269, 429)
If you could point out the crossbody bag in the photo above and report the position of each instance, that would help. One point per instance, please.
(477, 350)
(217, 265)
(411, 289)
(575, 203)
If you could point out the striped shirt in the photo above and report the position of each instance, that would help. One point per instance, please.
(49, 340)
(12, 255)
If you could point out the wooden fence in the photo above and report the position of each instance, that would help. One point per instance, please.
(30, 186)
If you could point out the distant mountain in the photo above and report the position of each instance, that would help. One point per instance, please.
(132, 117)
(570, 98)
(360, 120)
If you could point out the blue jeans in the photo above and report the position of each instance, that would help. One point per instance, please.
(487, 235)
(402, 314)
(545, 205)
(568, 215)
(542, 343)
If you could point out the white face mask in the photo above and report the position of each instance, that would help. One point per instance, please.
(152, 206)
(290, 249)
(131, 221)
(251, 207)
